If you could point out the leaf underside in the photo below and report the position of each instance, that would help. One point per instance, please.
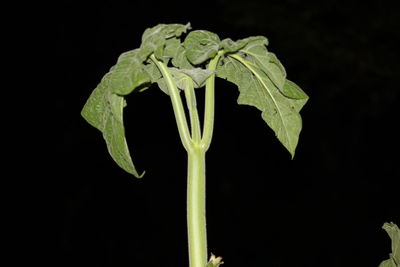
(262, 83)
(258, 73)
(103, 110)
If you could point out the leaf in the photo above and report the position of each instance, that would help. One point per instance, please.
(292, 90)
(388, 263)
(198, 75)
(257, 53)
(103, 110)
(156, 77)
(180, 60)
(128, 73)
(171, 48)
(394, 234)
(154, 39)
(181, 79)
(256, 89)
(201, 46)
(230, 46)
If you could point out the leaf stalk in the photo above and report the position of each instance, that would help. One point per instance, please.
(209, 109)
(176, 104)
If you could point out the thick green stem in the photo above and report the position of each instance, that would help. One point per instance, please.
(196, 208)
(196, 147)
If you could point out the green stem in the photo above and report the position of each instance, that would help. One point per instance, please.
(196, 208)
(176, 104)
(209, 104)
(196, 147)
(194, 116)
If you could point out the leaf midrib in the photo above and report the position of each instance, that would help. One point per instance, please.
(247, 65)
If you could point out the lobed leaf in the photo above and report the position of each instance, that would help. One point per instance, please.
(256, 52)
(260, 76)
(104, 110)
(256, 89)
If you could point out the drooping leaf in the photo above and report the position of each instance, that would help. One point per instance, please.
(256, 52)
(201, 46)
(394, 233)
(154, 39)
(104, 110)
(256, 89)
(128, 73)
(292, 90)
(180, 60)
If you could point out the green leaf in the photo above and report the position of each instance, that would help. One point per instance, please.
(388, 263)
(394, 234)
(256, 89)
(198, 75)
(201, 46)
(180, 60)
(128, 73)
(181, 79)
(154, 39)
(155, 76)
(292, 90)
(104, 110)
(230, 46)
(171, 47)
(256, 52)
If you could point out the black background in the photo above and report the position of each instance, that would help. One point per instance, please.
(324, 208)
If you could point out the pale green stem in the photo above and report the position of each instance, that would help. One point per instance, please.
(209, 105)
(196, 148)
(176, 104)
(194, 116)
(196, 208)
